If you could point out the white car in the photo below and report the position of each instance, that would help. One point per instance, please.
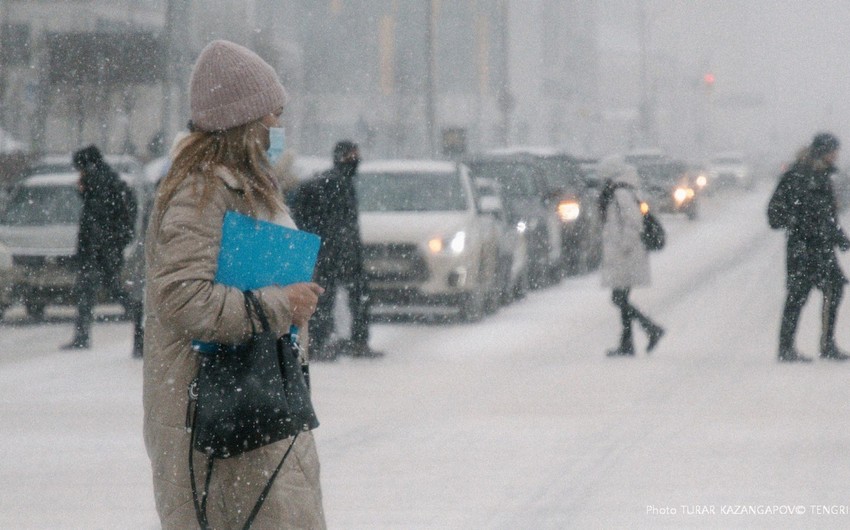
(426, 240)
(513, 245)
(729, 170)
(38, 229)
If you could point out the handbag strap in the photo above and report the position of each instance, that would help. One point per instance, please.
(253, 306)
(200, 498)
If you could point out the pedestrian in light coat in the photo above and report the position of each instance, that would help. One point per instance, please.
(222, 165)
(625, 261)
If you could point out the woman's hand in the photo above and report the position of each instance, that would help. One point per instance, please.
(303, 298)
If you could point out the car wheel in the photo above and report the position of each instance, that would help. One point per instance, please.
(35, 310)
(472, 307)
(522, 286)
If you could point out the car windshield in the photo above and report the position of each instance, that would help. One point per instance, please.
(410, 192)
(42, 205)
(516, 179)
(661, 174)
(561, 173)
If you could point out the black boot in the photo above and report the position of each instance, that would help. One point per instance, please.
(790, 355)
(627, 347)
(832, 352)
(79, 343)
(655, 333)
(138, 346)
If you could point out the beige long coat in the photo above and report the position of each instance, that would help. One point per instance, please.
(184, 303)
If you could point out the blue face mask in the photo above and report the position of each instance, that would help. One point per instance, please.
(277, 144)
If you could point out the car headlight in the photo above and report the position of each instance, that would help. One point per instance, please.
(701, 181)
(456, 244)
(682, 194)
(569, 210)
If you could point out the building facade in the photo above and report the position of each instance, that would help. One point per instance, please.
(394, 75)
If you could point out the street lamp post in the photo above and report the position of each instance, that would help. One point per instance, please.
(430, 81)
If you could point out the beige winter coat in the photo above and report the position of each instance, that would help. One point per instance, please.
(184, 303)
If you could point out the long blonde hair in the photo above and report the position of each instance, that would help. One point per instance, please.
(240, 150)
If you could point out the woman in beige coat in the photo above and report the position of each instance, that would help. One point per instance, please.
(222, 165)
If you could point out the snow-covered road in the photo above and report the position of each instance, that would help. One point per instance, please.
(518, 421)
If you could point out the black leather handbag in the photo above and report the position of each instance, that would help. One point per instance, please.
(246, 396)
(652, 234)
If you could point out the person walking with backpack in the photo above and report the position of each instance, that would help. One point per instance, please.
(803, 205)
(107, 225)
(625, 260)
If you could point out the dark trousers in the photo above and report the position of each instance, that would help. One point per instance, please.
(628, 313)
(322, 323)
(798, 293)
(90, 277)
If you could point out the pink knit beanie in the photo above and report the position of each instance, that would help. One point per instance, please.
(232, 86)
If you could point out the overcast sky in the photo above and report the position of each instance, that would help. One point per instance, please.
(794, 54)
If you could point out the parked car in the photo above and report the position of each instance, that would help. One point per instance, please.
(425, 239)
(513, 247)
(666, 184)
(530, 205)
(577, 196)
(39, 226)
(729, 170)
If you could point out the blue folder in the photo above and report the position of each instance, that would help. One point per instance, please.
(257, 253)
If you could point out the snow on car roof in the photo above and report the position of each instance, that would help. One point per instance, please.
(62, 162)
(62, 179)
(305, 167)
(408, 166)
(52, 179)
(525, 150)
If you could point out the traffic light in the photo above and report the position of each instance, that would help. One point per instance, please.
(708, 79)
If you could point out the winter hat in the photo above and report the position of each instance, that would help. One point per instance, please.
(614, 168)
(232, 86)
(87, 156)
(824, 143)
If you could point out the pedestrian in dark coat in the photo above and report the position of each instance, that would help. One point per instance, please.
(625, 261)
(327, 206)
(803, 205)
(106, 227)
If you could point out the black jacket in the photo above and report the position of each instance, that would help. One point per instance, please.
(327, 206)
(104, 230)
(803, 204)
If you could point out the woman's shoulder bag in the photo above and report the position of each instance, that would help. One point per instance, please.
(246, 396)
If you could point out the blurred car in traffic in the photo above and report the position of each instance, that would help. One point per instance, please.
(513, 248)
(531, 208)
(425, 240)
(666, 184)
(7, 275)
(39, 226)
(576, 195)
(727, 170)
